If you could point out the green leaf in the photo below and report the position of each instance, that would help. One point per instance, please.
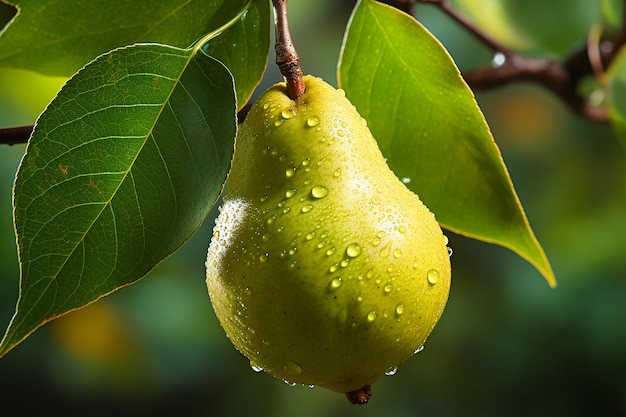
(616, 87)
(58, 37)
(430, 128)
(244, 48)
(611, 11)
(122, 168)
(534, 26)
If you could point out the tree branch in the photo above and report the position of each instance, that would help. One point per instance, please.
(560, 77)
(15, 135)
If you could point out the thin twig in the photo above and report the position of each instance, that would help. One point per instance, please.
(461, 19)
(15, 135)
(287, 57)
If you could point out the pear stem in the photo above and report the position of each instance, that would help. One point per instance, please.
(287, 57)
(360, 396)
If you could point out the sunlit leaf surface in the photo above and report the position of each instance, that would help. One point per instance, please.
(122, 168)
(431, 130)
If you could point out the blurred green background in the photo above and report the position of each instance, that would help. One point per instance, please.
(507, 344)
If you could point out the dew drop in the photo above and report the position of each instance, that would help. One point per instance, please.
(391, 371)
(310, 236)
(290, 172)
(418, 350)
(376, 200)
(333, 268)
(263, 258)
(256, 368)
(432, 276)
(278, 123)
(290, 193)
(386, 250)
(312, 121)
(286, 210)
(291, 384)
(344, 263)
(330, 251)
(397, 253)
(335, 283)
(288, 113)
(337, 173)
(341, 133)
(399, 309)
(306, 209)
(387, 288)
(353, 250)
(371, 316)
(402, 229)
(415, 265)
(319, 191)
(406, 180)
(449, 251)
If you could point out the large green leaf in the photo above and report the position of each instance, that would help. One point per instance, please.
(431, 130)
(244, 48)
(121, 169)
(58, 37)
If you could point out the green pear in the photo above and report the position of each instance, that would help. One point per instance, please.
(323, 269)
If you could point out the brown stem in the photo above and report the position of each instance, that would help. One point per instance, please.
(15, 135)
(287, 57)
(360, 396)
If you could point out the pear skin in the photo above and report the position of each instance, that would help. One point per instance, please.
(323, 268)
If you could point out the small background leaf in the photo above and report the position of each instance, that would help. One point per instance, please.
(59, 37)
(616, 86)
(529, 26)
(244, 48)
(431, 130)
(122, 168)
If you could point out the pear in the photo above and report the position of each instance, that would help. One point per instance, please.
(323, 268)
